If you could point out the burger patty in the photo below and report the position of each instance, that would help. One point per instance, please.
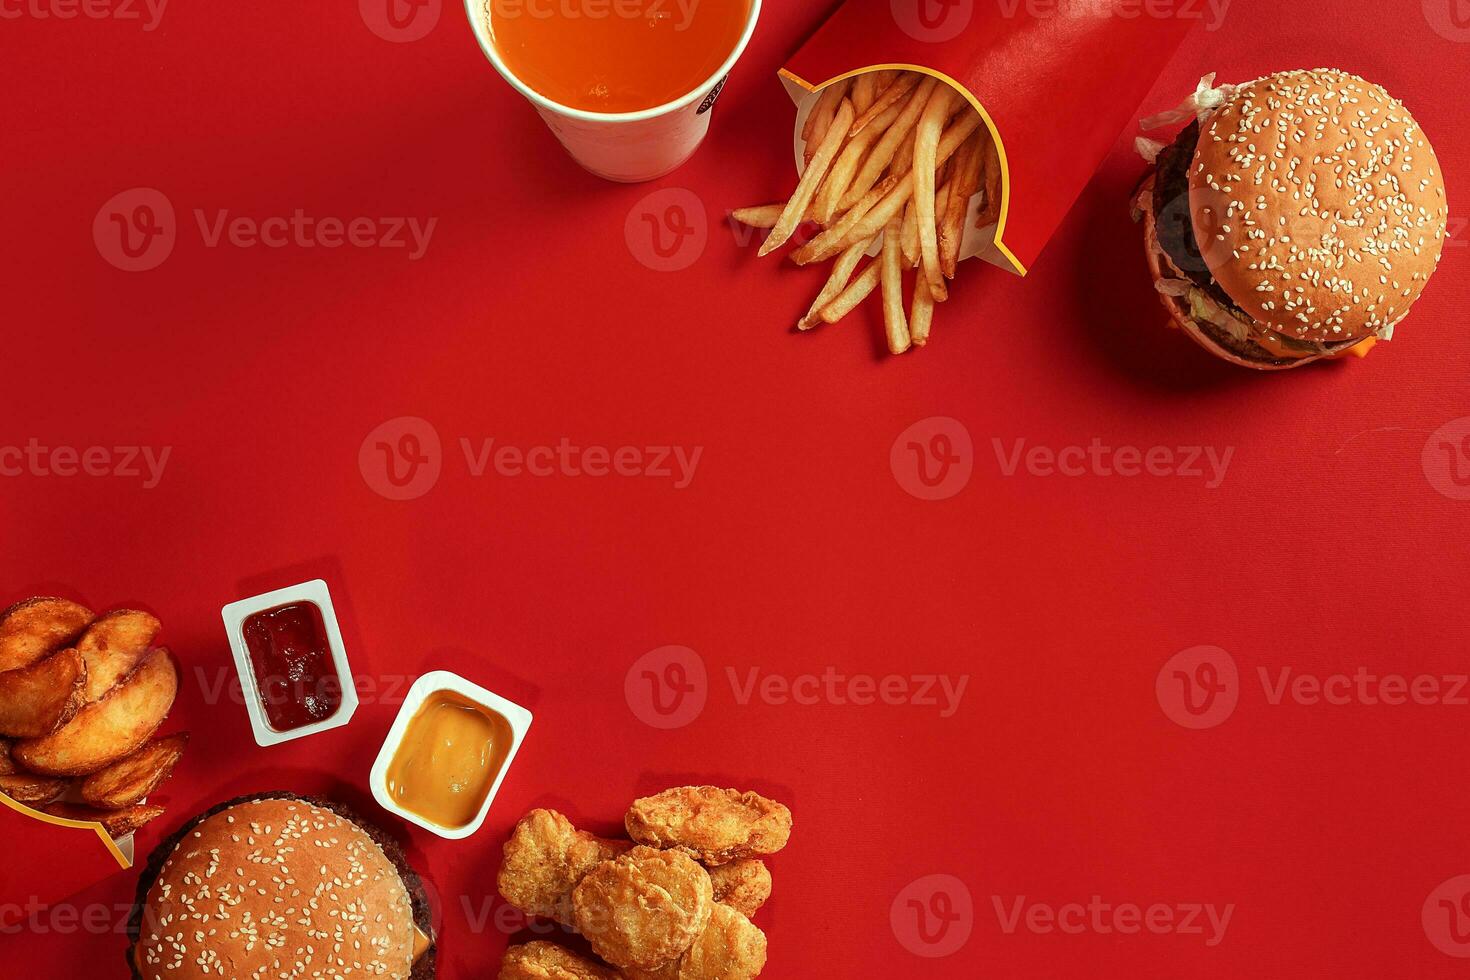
(1174, 220)
(423, 969)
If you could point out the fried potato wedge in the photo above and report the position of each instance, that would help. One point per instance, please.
(32, 790)
(29, 630)
(113, 645)
(130, 779)
(117, 823)
(110, 729)
(39, 699)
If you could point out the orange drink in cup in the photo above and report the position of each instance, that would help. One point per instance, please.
(626, 85)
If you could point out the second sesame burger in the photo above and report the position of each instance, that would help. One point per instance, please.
(1297, 217)
(280, 886)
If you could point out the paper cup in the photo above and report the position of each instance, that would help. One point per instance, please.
(629, 147)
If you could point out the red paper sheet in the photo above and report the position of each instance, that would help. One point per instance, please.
(808, 543)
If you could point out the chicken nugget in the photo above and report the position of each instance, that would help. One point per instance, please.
(743, 884)
(714, 825)
(730, 948)
(644, 909)
(545, 858)
(548, 961)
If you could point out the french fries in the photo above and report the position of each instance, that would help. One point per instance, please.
(951, 211)
(39, 699)
(893, 157)
(990, 207)
(926, 163)
(845, 168)
(921, 316)
(117, 823)
(891, 281)
(815, 171)
(821, 247)
(889, 148)
(29, 630)
(842, 271)
(103, 732)
(863, 91)
(885, 101)
(857, 291)
(819, 120)
(130, 779)
(911, 225)
(827, 244)
(762, 216)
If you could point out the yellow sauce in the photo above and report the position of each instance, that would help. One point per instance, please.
(450, 755)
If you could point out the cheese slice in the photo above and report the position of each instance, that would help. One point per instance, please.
(421, 943)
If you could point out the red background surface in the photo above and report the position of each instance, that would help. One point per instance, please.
(795, 548)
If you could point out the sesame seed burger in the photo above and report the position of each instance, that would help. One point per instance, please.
(280, 886)
(1298, 217)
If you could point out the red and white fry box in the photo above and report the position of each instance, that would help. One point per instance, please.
(78, 855)
(1056, 81)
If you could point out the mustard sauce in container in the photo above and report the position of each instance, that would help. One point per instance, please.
(450, 755)
(447, 753)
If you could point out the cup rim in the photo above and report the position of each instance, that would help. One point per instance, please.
(481, 26)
